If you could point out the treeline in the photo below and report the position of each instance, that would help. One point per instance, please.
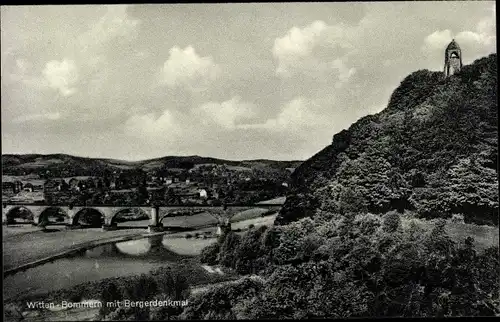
(351, 266)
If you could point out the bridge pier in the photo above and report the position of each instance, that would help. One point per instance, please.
(223, 227)
(154, 224)
(109, 224)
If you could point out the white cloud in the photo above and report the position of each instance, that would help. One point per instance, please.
(298, 114)
(115, 23)
(227, 114)
(344, 71)
(23, 65)
(482, 37)
(437, 40)
(149, 126)
(186, 68)
(317, 50)
(37, 117)
(61, 76)
(299, 42)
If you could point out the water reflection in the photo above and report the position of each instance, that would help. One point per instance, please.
(153, 248)
(111, 260)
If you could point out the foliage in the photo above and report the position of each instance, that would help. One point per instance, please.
(222, 302)
(110, 293)
(209, 254)
(434, 149)
(361, 265)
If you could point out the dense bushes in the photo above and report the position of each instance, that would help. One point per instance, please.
(223, 302)
(210, 254)
(356, 266)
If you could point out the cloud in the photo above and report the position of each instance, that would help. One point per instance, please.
(115, 23)
(140, 126)
(259, 91)
(186, 68)
(37, 117)
(482, 37)
(61, 76)
(299, 42)
(344, 72)
(318, 51)
(298, 114)
(23, 65)
(227, 114)
(437, 40)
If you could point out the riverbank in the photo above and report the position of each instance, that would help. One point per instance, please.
(108, 268)
(197, 277)
(23, 249)
(80, 248)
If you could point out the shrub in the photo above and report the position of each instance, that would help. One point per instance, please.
(162, 313)
(141, 288)
(457, 218)
(392, 222)
(172, 284)
(210, 254)
(228, 249)
(222, 302)
(109, 293)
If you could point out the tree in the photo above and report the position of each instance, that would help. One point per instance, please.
(142, 194)
(109, 294)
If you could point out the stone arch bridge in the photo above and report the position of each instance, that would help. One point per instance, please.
(156, 214)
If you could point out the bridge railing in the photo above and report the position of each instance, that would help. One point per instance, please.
(145, 205)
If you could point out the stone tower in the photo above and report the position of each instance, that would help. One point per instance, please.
(452, 59)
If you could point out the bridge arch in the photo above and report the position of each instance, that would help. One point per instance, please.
(198, 217)
(19, 212)
(129, 214)
(89, 216)
(61, 216)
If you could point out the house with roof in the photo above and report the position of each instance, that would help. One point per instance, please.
(55, 185)
(203, 193)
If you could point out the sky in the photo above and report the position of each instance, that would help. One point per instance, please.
(234, 81)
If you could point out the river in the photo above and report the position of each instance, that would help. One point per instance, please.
(110, 260)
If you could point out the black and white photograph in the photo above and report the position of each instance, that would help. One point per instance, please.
(234, 161)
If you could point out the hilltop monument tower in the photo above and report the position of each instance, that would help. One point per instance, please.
(452, 59)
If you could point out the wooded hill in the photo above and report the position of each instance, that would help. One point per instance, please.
(433, 150)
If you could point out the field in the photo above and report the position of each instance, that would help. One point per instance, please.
(484, 236)
(249, 214)
(279, 200)
(257, 222)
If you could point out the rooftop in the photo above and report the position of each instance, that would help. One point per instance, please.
(453, 45)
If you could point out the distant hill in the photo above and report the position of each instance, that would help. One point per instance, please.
(27, 163)
(433, 150)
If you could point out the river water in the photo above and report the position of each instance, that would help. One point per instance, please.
(111, 260)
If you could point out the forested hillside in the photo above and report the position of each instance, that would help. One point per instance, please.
(350, 242)
(433, 150)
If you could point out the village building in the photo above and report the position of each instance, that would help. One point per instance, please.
(73, 184)
(203, 194)
(8, 187)
(55, 185)
(28, 187)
